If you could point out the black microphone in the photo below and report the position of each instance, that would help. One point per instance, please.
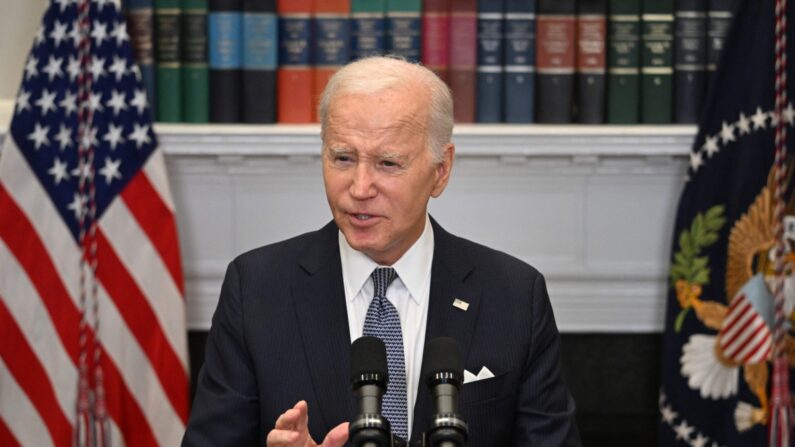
(369, 377)
(443, 372)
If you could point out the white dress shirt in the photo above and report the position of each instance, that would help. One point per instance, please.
(409, 294)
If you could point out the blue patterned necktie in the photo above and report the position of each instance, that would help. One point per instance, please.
(383, 321)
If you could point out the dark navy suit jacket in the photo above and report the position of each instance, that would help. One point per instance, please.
(280, 334)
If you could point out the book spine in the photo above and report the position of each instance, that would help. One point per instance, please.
(719, 19)
(294, 98)
(490, 80)
(225, 46)
(463, 58)
(368, 28)
(332, 42)
(259, 61)
(195, 71)
(555, 50)
(690, 60)
(657, 37)
(403, 28)
(436, 37)
(591, 61)
(623, 62)
(140, 22)
(167, 57)
(520, 60)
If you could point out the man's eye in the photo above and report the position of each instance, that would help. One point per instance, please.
(389, 164)
(343, 158)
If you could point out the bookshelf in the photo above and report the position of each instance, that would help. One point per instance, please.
(592, 207)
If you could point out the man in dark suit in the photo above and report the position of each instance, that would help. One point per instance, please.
(288, 312)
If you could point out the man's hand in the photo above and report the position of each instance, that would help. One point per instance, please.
(292, 430)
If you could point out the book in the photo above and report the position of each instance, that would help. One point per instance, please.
(623, 62)
(259, 61)
(195, 71)
(403, 28)
(690, 59)
(332, 42)
(436, 37)
(656, 74)
(225, 30)
(520, 60)
(294, 77)
(167, 60)
(368, 28)
(555, 57)
(490, 61)
(719, 19)
(463, 58)
(140, 23)
(591, 61)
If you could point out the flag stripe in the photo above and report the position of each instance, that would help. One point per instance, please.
(729, 338)
(26, 309)
(735, 318)
(22, 240)
(155, 169)
(124, 409)
(151, 214)
(748, 340)
(140, 320)
(21, 417)
(140, 380)
(138, 257)
(7, 438)
(31, 377)
(760, 350)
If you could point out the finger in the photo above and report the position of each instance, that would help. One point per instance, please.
(288, 419)
(282, 438)
(337, 436)
(302, 422)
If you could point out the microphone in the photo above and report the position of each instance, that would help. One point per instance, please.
(443, 372)
(369, 377)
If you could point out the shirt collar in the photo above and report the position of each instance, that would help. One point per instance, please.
(413, 268)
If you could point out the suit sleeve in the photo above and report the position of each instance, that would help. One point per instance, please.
(226, 408)
(545, 409)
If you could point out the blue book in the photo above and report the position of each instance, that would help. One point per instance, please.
(403, 28)
(368, 28)
(259, 61)
(225, 22)
(490, 61)
(520, 60)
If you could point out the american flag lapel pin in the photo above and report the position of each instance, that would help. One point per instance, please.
(461, 304)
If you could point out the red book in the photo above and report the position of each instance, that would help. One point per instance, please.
(436, 36)
(294, 97)
(331, 43)
(463, 58)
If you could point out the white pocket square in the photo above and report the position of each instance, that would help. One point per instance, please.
(484, 373)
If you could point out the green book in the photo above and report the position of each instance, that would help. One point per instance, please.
(167, 60)
(195, 72)
(657, 71)
(623, 62)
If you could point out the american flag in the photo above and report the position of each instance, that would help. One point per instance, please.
(92, 310)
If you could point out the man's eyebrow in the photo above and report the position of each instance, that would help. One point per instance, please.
(338, 149)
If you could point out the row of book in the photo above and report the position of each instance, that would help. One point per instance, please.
(514, 61)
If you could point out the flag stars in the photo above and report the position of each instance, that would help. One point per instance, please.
(119, 33)
(89, 137)
(683, 431)
(700, 441)
(97, 67)
(95, 101)
(668, 414)
(789, 114)
(73, 68)
(726, 132)
(83, 171)
(140, 135)
(53, 68)
(39, 136)
(64, 137)
(743, 124)
(99, 32)
(773, 118)
(113, 136)
(46, 102)
(62, 4)
(139, 101)
(759, 119)
(711, 146)
(117, 102)
(118, 68)
(69, 103)
(58, 171)
(58, 33)
(101, 4)
(74, 34)
(695, 160)
(31, 67)
(111, 170)
(23, 101)
(78, 205)
(39, 39)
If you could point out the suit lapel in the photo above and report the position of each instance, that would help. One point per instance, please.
(449, 273)
(319, 297)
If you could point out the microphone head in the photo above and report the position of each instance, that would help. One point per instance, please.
(442, 362)
(368, 362)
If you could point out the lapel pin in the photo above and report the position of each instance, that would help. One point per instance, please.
(461, 304)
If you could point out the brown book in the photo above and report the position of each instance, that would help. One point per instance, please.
(463, 58)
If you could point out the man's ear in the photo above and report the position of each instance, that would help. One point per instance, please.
(443, 170)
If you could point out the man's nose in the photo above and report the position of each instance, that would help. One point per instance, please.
(363, 183)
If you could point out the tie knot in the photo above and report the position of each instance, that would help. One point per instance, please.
(382, 278)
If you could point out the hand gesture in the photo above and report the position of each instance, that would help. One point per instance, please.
(292, 430)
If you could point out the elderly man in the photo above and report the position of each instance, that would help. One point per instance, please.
(277, 360)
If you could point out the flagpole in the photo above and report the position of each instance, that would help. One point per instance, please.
(781, 412)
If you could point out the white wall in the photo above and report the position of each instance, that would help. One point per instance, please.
(18, 25)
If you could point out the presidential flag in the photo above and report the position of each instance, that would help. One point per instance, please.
(719, 386)
(92, 311)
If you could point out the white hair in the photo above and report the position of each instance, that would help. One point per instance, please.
(375, 74)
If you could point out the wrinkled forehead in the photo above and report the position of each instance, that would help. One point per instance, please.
(390, 110)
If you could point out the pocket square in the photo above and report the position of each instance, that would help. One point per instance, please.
(484, 373)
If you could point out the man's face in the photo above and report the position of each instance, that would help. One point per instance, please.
(378, 172)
